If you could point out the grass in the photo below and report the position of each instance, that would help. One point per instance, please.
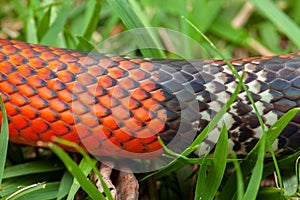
(271, 28)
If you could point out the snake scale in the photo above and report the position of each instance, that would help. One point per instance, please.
(114, 105)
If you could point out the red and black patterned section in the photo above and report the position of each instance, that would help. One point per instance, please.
(114, 105)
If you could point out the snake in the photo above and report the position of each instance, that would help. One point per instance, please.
(119, 105)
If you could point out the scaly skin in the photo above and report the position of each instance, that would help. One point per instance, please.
(118, 105)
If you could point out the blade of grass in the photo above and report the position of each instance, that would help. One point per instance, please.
(268, 9)
(89, 161)
(86, 169)
(92, 18)
(150, 36)
(297, 167)
(72, 167)
(254, 183)
(269, 193)
(3, 140)
(224, 29)
(217, 169)
(13, 184)
(205, 12)
(70, 39)
(201, 178)
(295, 15)
(58, 25)
(270, 37)
(31, 188)
(84, 44)
(33, 167)
(64, 185)
(239, 178)
(127, 15)
(278, 127)
(36, 191)
(31, 31)
(139, 12)
(46, 193)
(132, 21)
(44, 23)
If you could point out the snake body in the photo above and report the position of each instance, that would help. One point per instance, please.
(115, 105)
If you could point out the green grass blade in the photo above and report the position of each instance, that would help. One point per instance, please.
(139, 12)
(58, 25)
(270, 37)
(72, 167)
(84, 44)
(269, 193)
(127, 15)
(239, 178)
(92, 18)
(278, 127)
(33, 167)
(3, 140)
(64, 186)
(132, 21)
(36, 191)
(86, 168)
(268, 9)
(257, 172)
(225, 30)
(217, 169)
(70, 40)
(297, 167)
(12, 185)
(44, 23)
(31, 31)
(205, 12)
(23, 191)
(201, 178)
(89, 161)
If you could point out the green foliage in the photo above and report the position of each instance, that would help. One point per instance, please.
(3, 140)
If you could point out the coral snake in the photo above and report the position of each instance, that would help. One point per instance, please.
(111, 105)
